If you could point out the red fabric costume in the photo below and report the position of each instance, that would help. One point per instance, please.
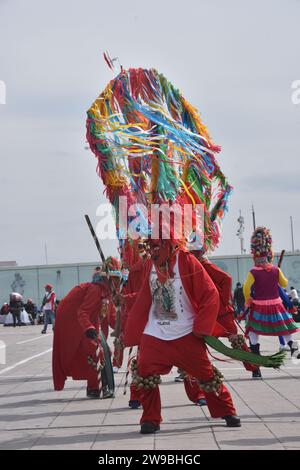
(76, 313)
(157, 356)
(204, 301)
(223, 283)
(134, 283)
(109, 320)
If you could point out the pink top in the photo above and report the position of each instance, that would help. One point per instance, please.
(265, 285)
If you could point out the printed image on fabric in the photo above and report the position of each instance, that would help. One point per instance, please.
(163, 296)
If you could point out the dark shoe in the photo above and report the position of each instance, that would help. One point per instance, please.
(256, 374)
(107, 393)
(255, 348)
(149, 428)
(232, 421)
(92, 393)
(134, 404)
(294, 349)
(201, 402)
(43, 332)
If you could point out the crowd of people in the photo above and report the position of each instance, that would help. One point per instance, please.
(18, 313)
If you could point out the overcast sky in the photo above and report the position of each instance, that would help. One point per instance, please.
(234, 60)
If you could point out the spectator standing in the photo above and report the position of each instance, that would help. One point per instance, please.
(15, 307)
(238, 299)
(294, 295)
(48, 307)
(4, 309)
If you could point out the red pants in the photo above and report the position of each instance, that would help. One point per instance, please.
(135, 394)
(118, 357)
(92, 382)
(188, 353)
(193, 391)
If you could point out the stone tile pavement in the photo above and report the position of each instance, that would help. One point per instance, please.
(33, 416)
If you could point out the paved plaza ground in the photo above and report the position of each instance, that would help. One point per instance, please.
(33, 416)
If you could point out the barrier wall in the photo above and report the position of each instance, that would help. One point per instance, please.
(30, 280)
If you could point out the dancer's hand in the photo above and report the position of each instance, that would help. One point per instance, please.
(91, 333)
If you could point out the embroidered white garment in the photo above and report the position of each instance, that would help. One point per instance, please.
(171, 315)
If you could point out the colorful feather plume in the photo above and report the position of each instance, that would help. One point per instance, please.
(152, 147)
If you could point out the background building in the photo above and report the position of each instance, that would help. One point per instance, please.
(30, 280)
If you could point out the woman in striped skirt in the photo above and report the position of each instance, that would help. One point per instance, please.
(267, 314)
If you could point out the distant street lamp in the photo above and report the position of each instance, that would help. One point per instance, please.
(292, 234)
(253, 217)
(240, 232)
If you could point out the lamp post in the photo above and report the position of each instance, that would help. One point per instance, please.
(292, 234)
(253, 218)
(240, 232)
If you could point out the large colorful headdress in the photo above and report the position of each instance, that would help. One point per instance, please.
(261, 246)
(111, 268)
(152, 147)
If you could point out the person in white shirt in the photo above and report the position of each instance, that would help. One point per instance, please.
(293, 293)
(49, 307)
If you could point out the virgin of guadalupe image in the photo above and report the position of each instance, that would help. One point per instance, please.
(163, 296)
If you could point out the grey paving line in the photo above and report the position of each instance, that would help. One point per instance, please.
(54, 418)
(281, 395)
(101, 425)
(21, 382)
(255, 414)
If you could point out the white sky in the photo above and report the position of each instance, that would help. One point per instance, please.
(234, 60)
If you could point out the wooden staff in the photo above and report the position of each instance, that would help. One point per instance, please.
(130, 357)
(88, 221)
(281, 258)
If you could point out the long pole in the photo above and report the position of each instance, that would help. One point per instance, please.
(253, 217)
(112, 285)
(281, 258)
(99, 347)
(292, 234)
(93, 233)
(240, 232)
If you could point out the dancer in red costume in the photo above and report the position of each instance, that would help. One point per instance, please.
(76, 337)
(134, 258)
(177, 304)
(134, 283)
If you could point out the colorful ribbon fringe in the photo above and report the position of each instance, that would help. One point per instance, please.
(152, 147)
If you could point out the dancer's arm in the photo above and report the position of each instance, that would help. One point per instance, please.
(247, 286)
(282, 281)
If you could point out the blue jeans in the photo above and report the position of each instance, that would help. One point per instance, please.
(49, 315)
